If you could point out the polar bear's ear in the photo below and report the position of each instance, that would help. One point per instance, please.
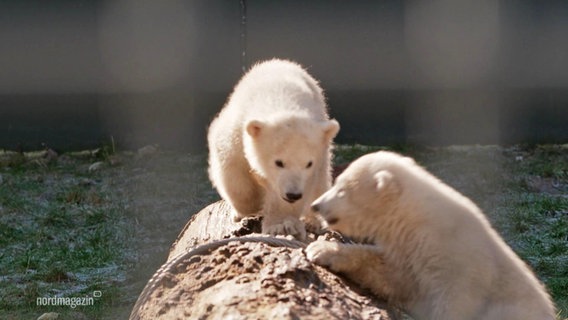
(384, 180)
(330, 129)
(254, 127)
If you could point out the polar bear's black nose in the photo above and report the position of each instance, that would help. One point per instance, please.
(293, 196)
(315, 208)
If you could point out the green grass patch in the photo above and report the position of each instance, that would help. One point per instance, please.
(538, 231)
(57, 229)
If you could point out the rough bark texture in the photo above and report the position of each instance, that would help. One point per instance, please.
(246, 276)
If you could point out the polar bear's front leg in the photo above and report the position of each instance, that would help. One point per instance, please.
(363, 264)
(238, 187)
(287, 226)
(281, 218)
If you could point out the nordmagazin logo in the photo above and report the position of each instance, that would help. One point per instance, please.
(72, 302)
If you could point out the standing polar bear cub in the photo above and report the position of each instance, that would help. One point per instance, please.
(431, 250)
(270, 146)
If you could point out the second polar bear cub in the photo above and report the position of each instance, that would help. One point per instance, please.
(270, 146)
(429, 251)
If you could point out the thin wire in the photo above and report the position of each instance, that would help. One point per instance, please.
(244, 36)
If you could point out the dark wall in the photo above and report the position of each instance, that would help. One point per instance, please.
(75, 73)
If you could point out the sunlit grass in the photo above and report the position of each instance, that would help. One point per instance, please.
(55, 233)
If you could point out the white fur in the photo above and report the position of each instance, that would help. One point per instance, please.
(431, 250)
(276, 112)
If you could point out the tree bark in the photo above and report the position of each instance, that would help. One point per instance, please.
(219, 269)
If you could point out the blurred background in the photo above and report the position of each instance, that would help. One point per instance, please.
(75, 74)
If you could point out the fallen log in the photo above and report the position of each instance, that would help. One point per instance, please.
(219, 269)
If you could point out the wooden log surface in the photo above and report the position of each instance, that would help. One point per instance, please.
(219, 269)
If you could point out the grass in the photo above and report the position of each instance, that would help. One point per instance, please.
(536, 227)
(537, 214)
(69, 231)
(57, 229)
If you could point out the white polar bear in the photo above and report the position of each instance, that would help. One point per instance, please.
(429, 250)
(270, 146)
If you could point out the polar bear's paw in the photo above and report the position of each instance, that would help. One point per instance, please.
(314, 223)
(325, 254)
(289, 226)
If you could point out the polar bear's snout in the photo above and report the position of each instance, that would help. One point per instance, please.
(319, 207)
(291, 186)
(315, 207)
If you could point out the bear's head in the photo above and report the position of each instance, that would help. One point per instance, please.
(287, 153)
(364, 195)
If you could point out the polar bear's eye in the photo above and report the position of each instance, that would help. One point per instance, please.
(279, 163)
(309, 165)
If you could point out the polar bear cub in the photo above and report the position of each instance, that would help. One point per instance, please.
(429, 250)
(270, 146)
